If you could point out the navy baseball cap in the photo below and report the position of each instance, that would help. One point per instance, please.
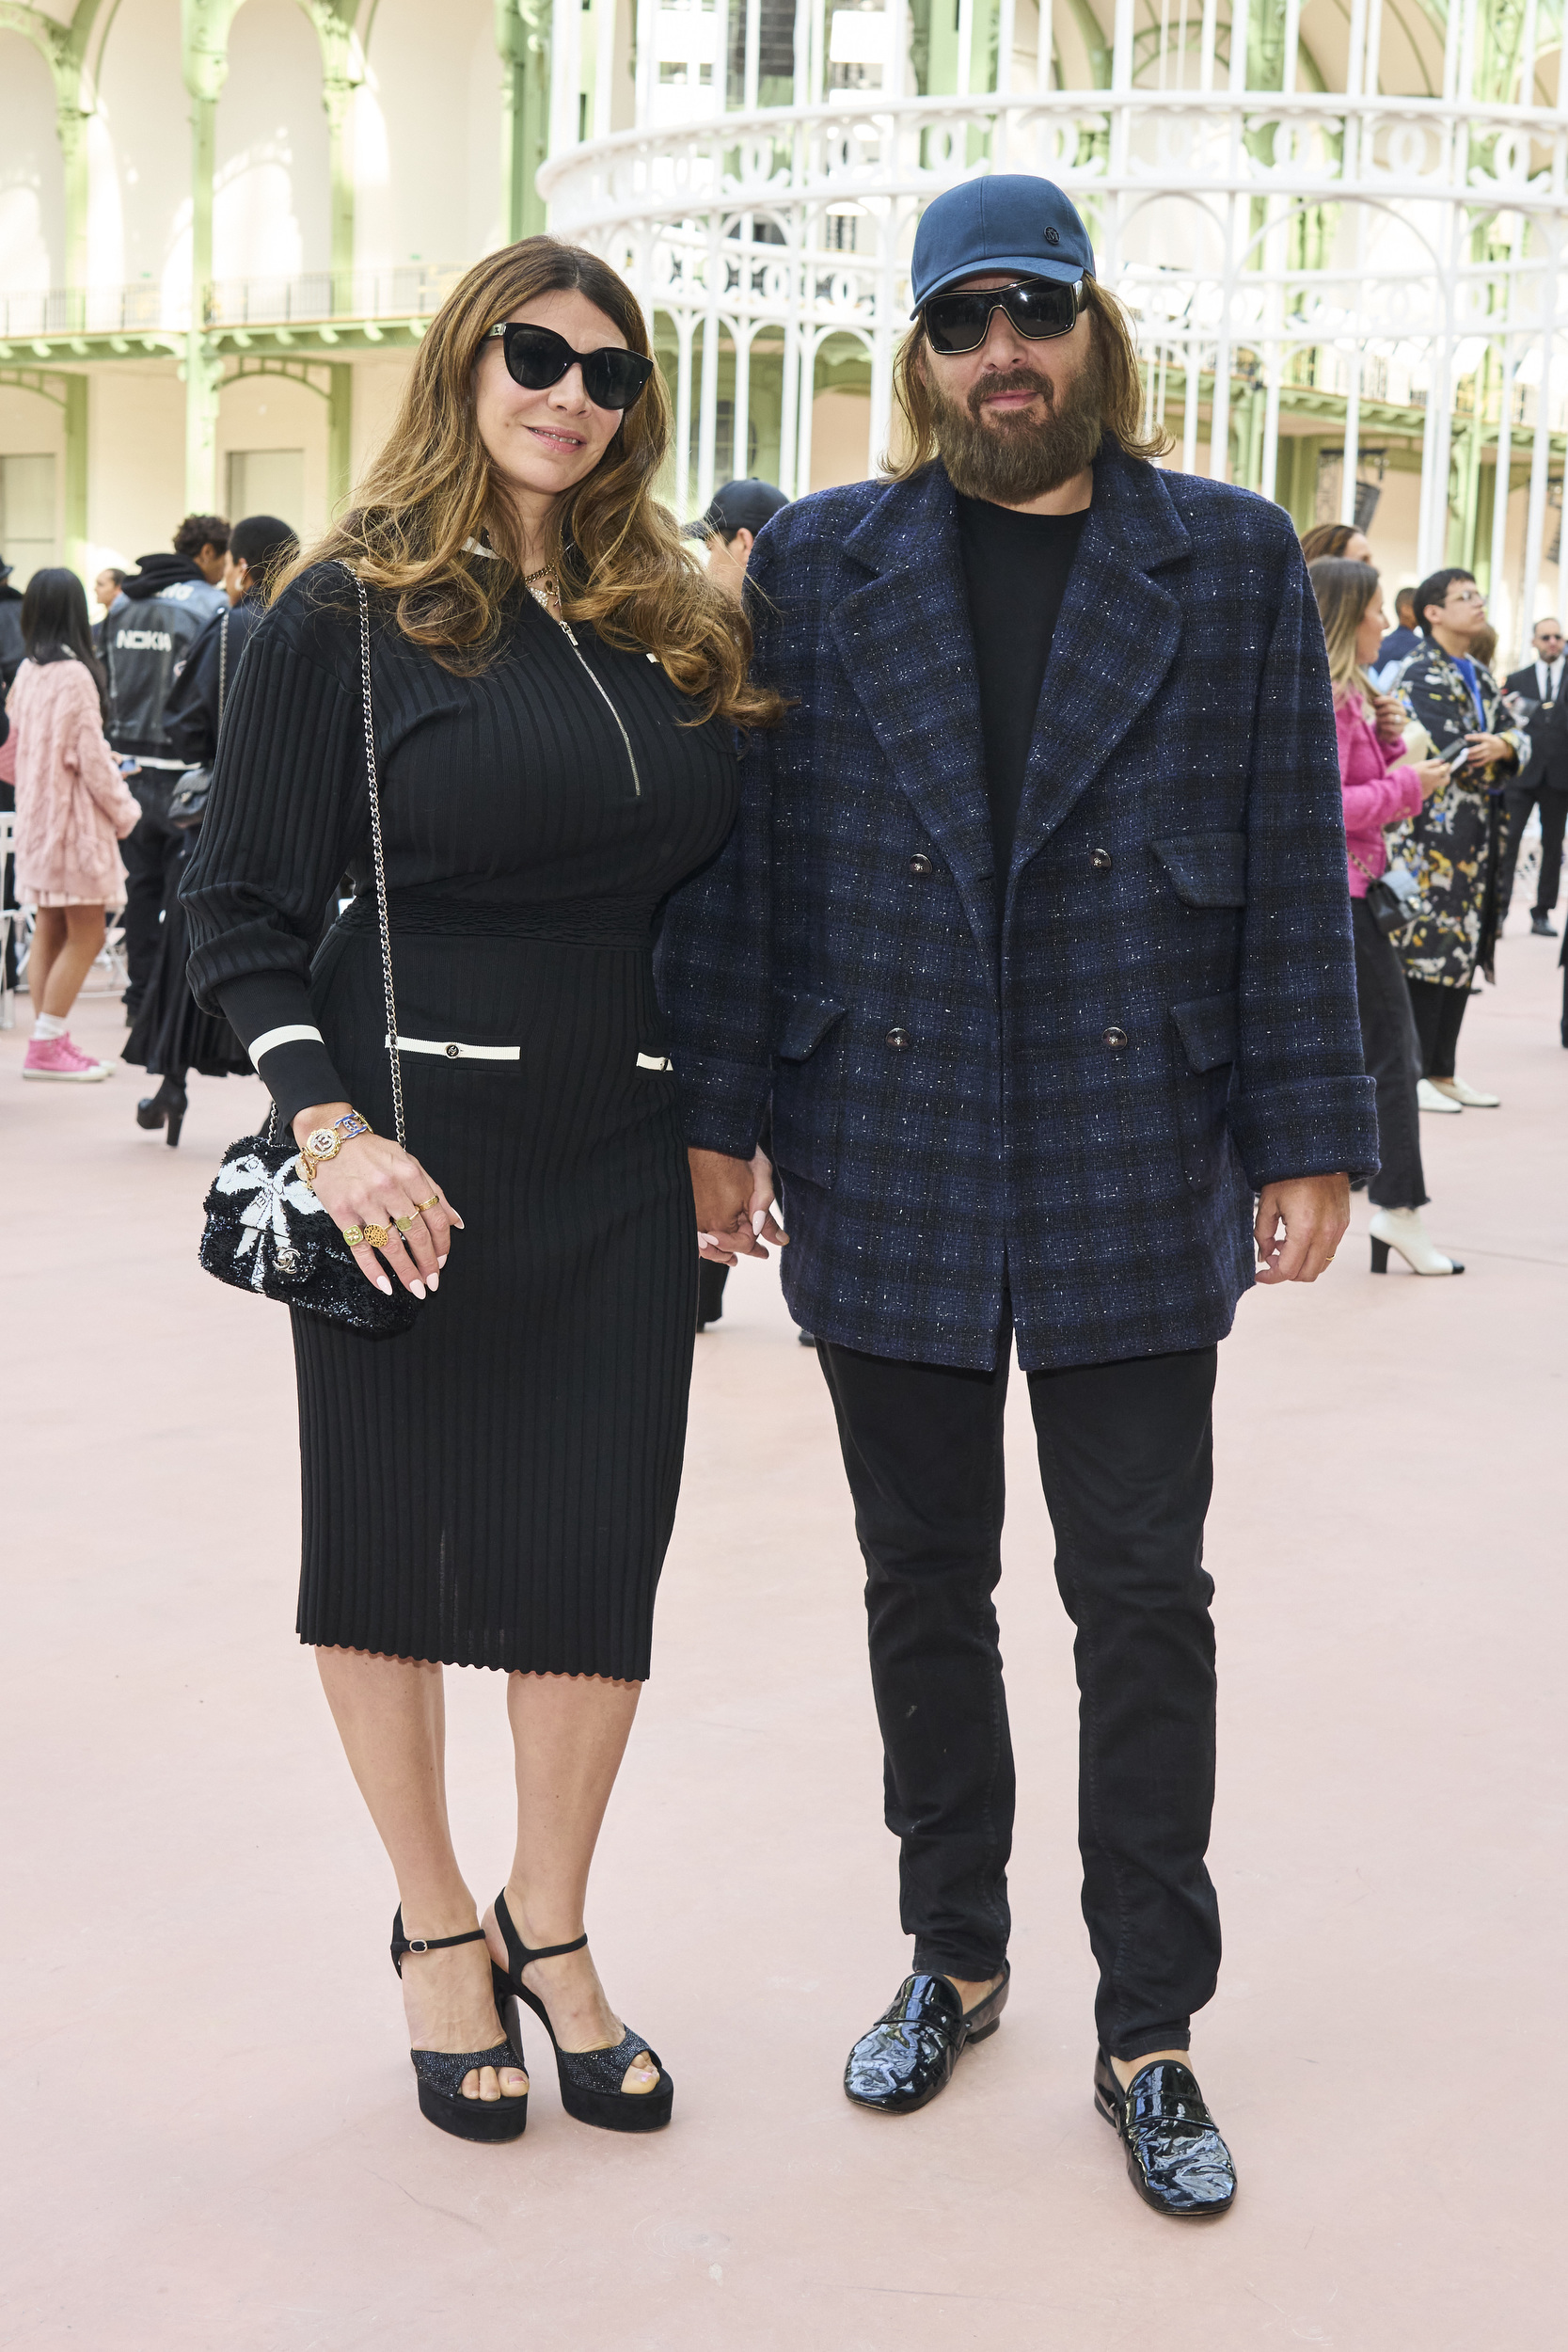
(1011, 220)
(738, 507)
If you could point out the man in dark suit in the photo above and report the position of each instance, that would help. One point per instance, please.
(1033, 928)
(1544, 782)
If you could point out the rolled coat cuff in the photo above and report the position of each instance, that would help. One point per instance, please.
(1317, 1127)
(721, 1102)
(299, 1071)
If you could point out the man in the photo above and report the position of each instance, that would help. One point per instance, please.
(1544, 782)
(1033, 928)
(735, 516)
(161, 610)
(1449, 847)
(728, 528)
(1400, 644)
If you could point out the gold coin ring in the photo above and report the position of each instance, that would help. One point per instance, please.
(353, 1235)
(429, 1203)
(376, 1235)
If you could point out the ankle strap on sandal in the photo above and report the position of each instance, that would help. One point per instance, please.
(517, 1952)
(401, 1942)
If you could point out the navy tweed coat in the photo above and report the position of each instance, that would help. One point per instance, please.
(1075, 1123)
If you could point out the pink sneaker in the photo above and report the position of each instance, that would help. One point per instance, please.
(57, 1058)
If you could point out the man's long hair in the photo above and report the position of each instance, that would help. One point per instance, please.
(623, 564)
(1121, 415)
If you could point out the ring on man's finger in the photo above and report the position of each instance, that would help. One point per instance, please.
(376, 1235)
(353, 1235)
(429, 1203)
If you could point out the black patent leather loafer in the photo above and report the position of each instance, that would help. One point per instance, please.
(911, 2052)
(1176, 2159)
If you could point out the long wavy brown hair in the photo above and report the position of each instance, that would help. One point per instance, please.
(623, 564)
(1121, 414)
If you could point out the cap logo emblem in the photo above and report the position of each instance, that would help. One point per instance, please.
(1052, 238)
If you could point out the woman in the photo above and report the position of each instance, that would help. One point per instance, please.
(1379, 789)
(1340, 540)
(554, 688)
(172, 1035)
(1450, 848)
(71, 808)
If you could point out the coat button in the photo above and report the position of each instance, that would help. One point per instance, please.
(898, 1039)
(452, 1052)
(1100, 860)
(1116, 1039)
(920, 865)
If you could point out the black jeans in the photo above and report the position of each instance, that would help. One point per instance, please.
(1440, 1012)
(1391, 1052)
(1518, 799)
(1125, 1454)
(152, 852)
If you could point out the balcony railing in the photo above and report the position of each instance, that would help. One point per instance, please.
(149, 308)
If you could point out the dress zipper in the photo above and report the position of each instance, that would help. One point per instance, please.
(631, 758)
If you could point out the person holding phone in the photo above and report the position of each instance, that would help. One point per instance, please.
(1451, 846)
(1379, 786)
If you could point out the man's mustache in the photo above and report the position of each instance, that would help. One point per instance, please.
(1016, 380)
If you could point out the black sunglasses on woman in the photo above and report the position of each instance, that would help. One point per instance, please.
(1038, 308)
(537, 356)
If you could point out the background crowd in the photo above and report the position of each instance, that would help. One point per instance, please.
(108, 732)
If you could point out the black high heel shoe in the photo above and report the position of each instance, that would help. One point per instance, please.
(590, 2079)
(440, 2072)
(166, 1109)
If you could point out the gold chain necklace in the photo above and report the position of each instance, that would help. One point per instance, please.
(550, 593)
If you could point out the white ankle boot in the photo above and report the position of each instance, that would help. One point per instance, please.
(1402, 1230)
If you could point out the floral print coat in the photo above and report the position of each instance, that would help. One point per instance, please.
(1451, 844)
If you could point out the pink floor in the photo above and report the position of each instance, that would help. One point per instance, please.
(211, 2135)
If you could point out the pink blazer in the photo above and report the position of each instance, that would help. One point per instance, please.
(1379, 786)
(72, 802)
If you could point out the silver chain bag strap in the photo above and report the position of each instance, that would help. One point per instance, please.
(265, 1230)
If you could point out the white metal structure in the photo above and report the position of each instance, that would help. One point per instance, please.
(1348, 216)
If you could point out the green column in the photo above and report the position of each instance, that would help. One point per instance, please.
(522, 42)
(340, 428)
(201, 368)
(76, 476)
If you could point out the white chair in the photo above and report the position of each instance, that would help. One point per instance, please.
(15, 924)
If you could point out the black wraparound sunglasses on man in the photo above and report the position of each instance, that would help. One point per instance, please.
(537, 356)
(1037, 308)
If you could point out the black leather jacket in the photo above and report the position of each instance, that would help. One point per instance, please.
(150, 631)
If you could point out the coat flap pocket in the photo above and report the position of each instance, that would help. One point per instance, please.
(1207, 1028)
(1209, 870)
(801, 1023)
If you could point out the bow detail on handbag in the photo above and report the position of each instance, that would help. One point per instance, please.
(275, 1189)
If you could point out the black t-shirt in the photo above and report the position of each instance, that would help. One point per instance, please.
(1017, 568)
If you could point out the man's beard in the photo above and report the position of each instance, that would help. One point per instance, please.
(1016, 458)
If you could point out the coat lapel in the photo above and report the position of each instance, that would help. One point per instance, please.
(909, 653)
(1115, 638)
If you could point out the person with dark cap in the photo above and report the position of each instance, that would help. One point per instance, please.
(728, 527)
(171, 1036)
(1033, 931)
(149, 634)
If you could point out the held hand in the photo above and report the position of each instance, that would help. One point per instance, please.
(1390, 717)
(1484, 748)
(1299, 1226)
(762, 1204)
(724, 1189)
(1434, 774)
(372, 1183)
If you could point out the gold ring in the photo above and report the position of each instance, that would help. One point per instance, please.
(353, 1235)
(403, 1223)
(429, 1203)
(376, 1236)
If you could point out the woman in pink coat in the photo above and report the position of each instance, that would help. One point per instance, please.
(1380, 787)
(71, 808)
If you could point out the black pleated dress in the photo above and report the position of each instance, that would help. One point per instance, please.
(496, 1488)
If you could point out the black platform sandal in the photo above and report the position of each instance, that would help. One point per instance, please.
(590, 2079)
(440, 2072)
